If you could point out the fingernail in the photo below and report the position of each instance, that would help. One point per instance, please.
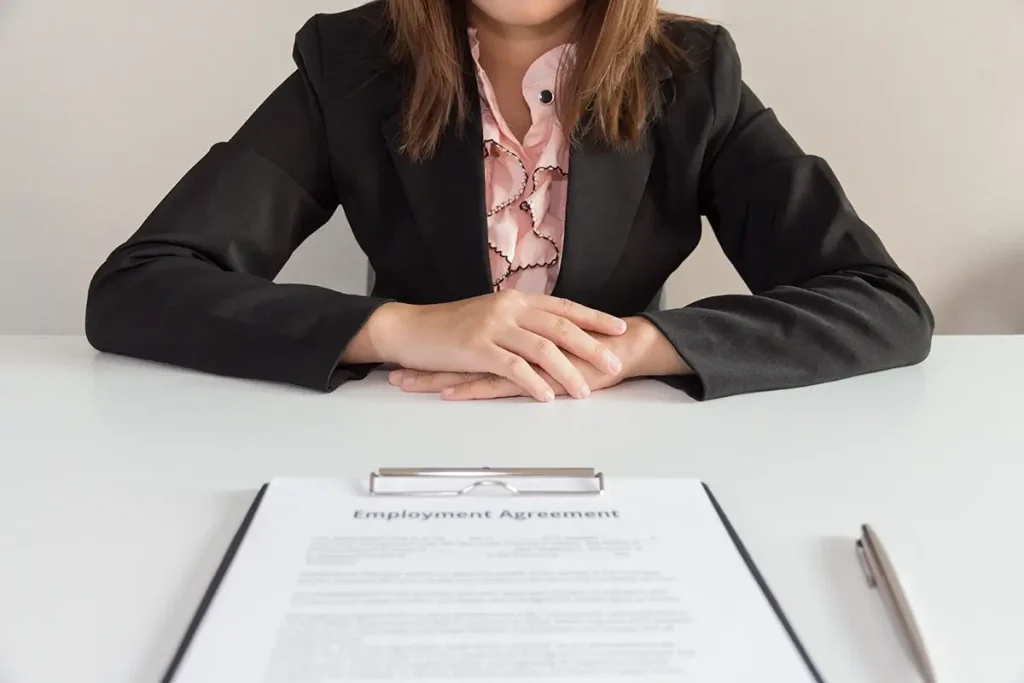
(614, 364)
(620, 325)
(395, 377)
(408, 381)
(549, 396)
(584, 391)
(450, 391)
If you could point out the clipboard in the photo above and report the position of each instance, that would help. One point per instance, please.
(591, 483)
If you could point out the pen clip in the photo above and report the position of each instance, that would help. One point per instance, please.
(865, 564)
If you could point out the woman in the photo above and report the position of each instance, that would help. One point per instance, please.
(523, 175)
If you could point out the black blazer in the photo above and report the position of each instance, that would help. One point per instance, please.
(193, 286)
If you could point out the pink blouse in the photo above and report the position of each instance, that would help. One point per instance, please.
(526, 181)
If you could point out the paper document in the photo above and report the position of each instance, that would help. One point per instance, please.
(640, 584)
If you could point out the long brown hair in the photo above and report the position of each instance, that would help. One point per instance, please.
(613, 89)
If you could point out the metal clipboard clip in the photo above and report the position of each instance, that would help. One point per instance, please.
(484, 477)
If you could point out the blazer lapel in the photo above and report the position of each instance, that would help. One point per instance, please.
(605, 189)
(446, 192)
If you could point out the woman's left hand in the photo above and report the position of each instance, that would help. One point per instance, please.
(642, 349)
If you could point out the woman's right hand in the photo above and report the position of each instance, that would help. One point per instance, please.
(505, 333)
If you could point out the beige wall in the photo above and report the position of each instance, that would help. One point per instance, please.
(918, 105)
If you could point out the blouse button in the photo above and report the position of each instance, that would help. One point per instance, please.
(546, 97)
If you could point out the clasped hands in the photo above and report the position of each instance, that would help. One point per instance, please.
(511, 344)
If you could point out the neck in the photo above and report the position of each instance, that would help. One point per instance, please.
(508, 48)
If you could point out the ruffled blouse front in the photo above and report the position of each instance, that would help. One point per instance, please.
(526, 182)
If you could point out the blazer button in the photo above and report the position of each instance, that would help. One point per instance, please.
(546, 97)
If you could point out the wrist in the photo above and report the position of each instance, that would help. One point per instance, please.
(388, 328)
(648, 352)
(381, 336)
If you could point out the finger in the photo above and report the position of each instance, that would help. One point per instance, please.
(569, 336)
(583, 317)
(492, 387)
(518, 370)
(545, 354)
(433, 382)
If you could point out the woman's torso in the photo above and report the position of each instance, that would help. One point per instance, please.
(624, 220)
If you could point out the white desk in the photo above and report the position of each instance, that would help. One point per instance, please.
(123, 481)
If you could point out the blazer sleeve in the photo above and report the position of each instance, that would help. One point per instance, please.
(827, 301)
(194, 286)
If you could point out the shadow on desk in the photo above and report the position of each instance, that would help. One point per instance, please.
(112, 377)
(183, 606)
(112, 369)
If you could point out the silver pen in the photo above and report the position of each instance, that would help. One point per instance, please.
(881, 575)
